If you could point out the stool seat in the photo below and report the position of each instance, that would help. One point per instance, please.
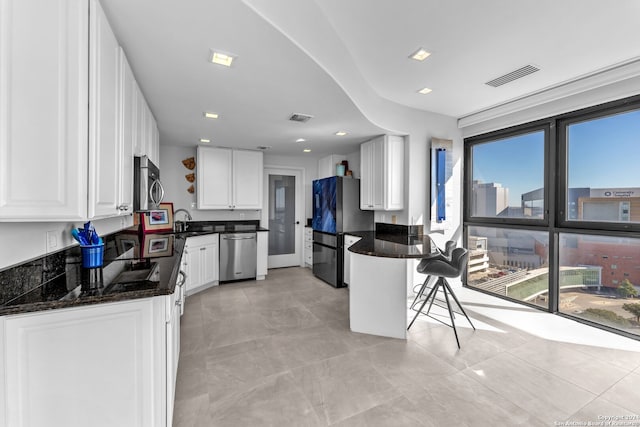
(423, 265)
(442, 268)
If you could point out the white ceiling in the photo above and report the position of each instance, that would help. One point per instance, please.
(168, 45)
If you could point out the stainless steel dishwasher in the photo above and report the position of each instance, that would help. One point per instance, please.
(238, 255)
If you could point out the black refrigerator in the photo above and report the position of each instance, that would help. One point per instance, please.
(336, 210)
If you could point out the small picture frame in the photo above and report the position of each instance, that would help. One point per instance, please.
(157, 245)
(125, 243)
(155, 220)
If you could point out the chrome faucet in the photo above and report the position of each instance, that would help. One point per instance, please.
(189, 218)
(180, 226)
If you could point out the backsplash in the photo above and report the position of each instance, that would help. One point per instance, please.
(53, 275)
(18, 283)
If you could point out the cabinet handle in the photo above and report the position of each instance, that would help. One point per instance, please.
(183, 275)
(123, 207)
(203, 249)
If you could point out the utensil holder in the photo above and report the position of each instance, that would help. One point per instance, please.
(92, 255)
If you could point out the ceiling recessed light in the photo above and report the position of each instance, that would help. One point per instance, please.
(300, 140)
(307, 150)
(341, 133)
(221, 58)
(424, 90)
(205, 140)
(420, 55)
(211, 115)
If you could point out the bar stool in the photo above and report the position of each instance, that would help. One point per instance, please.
(445, 255)
(442, 268)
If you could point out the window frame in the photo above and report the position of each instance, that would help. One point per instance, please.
(470, 143)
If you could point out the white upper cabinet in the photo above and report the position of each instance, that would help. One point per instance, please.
(127, 133)
(146, 136)
(247, 179)
(104, 116)
(43, 109)
(382, 170)
(60, 161)
(327, 165)
(229, 179)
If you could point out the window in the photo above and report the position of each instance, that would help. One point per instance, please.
(552, 219)
(602, 180)
(509, 262)
(590, 291)
(508, 177)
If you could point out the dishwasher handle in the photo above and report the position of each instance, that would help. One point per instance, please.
(238, 238)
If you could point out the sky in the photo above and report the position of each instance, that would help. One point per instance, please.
(603, 153)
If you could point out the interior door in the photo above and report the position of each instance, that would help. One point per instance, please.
(283, 216)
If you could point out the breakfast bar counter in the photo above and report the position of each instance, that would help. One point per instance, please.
(380, 267)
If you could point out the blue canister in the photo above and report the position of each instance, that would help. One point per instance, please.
(340, 169)
(92, 255)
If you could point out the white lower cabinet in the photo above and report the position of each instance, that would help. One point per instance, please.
(262, 254)
(348, 241)
(308, 246)
(201, 263)
(108, 364)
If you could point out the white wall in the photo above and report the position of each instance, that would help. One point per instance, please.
(21, 242)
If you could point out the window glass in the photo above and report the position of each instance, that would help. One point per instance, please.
(511, 263)
(599, 279)
(508, 177)
(603, 178)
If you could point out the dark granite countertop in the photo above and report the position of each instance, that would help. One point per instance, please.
(207, 227)
(392, 245)
(135, 266)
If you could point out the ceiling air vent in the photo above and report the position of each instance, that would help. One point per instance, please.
(514, 75)
(302, 118)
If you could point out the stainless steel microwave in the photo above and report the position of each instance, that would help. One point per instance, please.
(147, 188)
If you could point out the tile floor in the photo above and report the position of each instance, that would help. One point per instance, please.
(280, 353)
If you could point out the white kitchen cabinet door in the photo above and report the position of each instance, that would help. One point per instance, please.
(327, 165)
(174, 302)
(213, 179)
(229, 179)
(262, 249)
(151, 136)
(308, 247)
(247, 179)
(146, 141)
(98, 365)
(154, 141)
(104, 116)
(43, 109)
(394, 173)
(372, 169)
(127, 134)
(382, 167)
(202, 263)
(139, 148)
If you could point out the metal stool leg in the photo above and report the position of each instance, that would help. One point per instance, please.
(459, 305)
(420, 292)
(453, 323)
(432, 292)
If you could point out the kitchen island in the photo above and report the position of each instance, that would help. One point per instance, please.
(380, 266)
